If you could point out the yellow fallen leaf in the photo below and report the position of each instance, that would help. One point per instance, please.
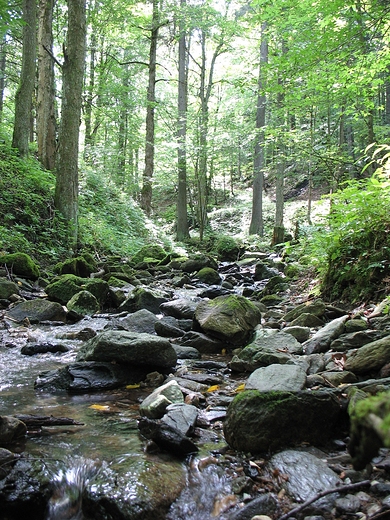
(102, 407)
(129, 387)
(240, 388)
(213, 388)
(224, 351)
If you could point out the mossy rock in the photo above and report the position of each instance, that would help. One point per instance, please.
(7, 288)
(21, 264)
(209, 275)
(227, 248)
(68, 285)
(370, 427)
(83, 303)
(82, 266)
(151, 252)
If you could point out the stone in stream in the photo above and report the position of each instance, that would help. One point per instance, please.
(370, 357)
(11, 429)
(155, 405)
(288, 378)
(228, 318)
(37, 311)
(201, 342)
(322, 339)
(122, 346)
(306, 476)
(166, 437)
(180, 308)
(139, 321)
(83, 304)
(7, 288)
(258, 422)
(141, 298)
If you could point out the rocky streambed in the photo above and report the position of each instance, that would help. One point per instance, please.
(180, 388)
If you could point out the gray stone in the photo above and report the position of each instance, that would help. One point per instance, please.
(139, 321)
(307, 476)
(289, 378)
(201, 342)
(83, 303)
(262, 505)
(142, 298)
(129, 347)
(301, 334)
(155, 404)
(355, 339)
(339, 378)
(307, 320)
(11, 429)
(372, 356)
(258, 422)
(180, 308)
(228, 318)
(181, 416)
(186, 352)
(37, 311)
(169, 327)
(7, 288)
(348, 504)
(316, 308)
(321, 341)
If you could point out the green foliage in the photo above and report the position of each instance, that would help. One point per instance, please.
(353, 247)
(227, 248)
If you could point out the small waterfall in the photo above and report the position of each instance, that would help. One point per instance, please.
(69, 483)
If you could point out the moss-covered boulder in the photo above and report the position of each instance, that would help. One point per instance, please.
(63, 289)
(197, 262)
(259, 422)
(83, 303)
(227, 248)
(82, 266)
(229, 318)
(209, 276)
(37, 310)
(20, 264)
(370, 425)
(7, 288)
(151, 253)
(142, 298)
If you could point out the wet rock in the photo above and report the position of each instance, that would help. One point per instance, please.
(201, 342)
(261, 421)
(321, 341)
(169, 327)
(289, 378)
(166, 437)
(214, 291)
(306, 476)
(301, 334)
(43, 348)
(7, 288)
(197, 262)
(11, 429)
(37, 311)
(88, 377)
(181, 416)
(139, 321)
(209, 276)
(228, 318)
(356, 325)
(68, 285)
(142, 298)
(348, 505)
(316, 308)
(179, 308)
(369, 357)
(355, 339)
(264, 272)
(307, 320)
(155, 405)
(263, 505)
(129, 347)
(340, 377)
(83, 303)
(7, 459)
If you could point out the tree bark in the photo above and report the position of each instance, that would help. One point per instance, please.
(256, 226)
(23, 98)
(146, 192)
(3, 61)
(182, 231)
(46, 120)
(66, 192)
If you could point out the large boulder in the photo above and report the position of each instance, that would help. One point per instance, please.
(370, 357)
(37, 311)
(83, 266)
(11, 429)
(139, 321)
(83, 303)
(180, 308)
(229, 318)
(89, 377)
(150, 253)
(322, 339)
(142, 298)
(121, 346)
(288, 378)
(21, 264)
(67, 285)
(197, 262)
(7, 288)
(316, 308)
(258, 422)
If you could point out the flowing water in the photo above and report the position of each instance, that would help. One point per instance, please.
(107, 441)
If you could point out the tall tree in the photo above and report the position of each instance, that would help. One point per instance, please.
(46, 119)
(182, 231)
(256, 226)
(23, 98)
(66, 191)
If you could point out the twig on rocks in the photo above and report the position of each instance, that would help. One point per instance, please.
(347, 487)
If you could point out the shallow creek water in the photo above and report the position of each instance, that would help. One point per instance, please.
(108, 440)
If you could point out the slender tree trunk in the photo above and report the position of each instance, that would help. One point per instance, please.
(182, 231)
(23, 98)
(3, 61)
(66, 191)
(257, 226)
(146, 192)
(89, 135)
(46, 120)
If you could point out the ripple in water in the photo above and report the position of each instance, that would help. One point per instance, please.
(69, 483)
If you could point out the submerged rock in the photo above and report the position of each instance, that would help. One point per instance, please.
(11, 429)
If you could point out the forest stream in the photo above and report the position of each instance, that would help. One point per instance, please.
(103, 467)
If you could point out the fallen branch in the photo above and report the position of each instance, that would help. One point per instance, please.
(348, 487)
(37, 421)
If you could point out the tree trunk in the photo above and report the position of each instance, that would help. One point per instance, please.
(146, 192)
(182, 231)
(66, 192)
(89, 136)
(46, 121)
(3, 61)
(257, 226)
(23, 98)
